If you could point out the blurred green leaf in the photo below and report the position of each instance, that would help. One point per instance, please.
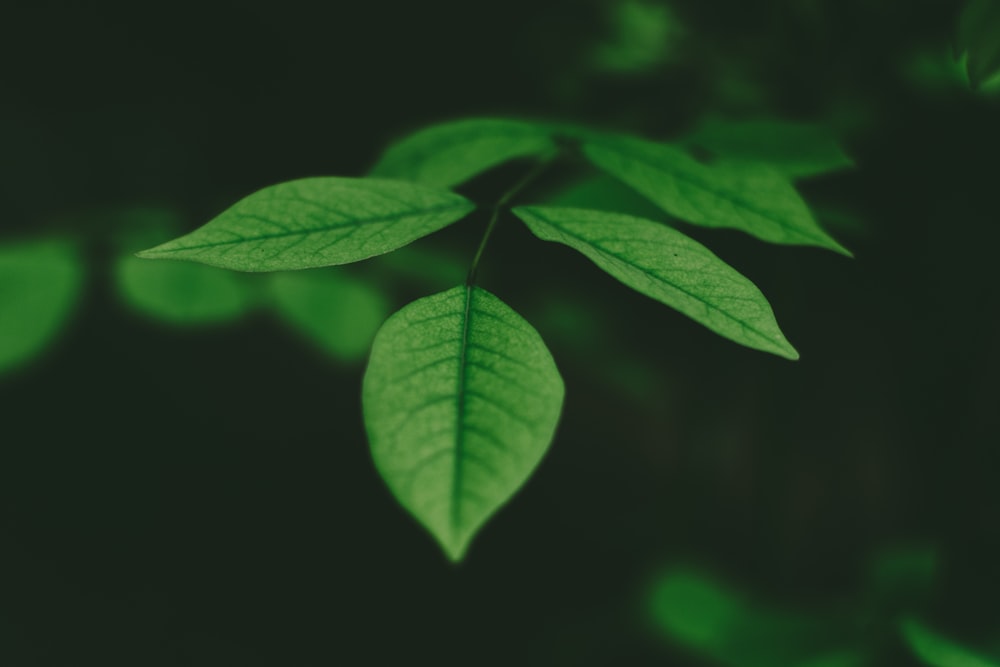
(668, 266)
(644, 36)
(902, 571)
(338, 313)
(182, 293)
(750, 197)
(604, 193)
(716, 622)
(451, 153)
(461, 399)
(40, 281)
(316, 222)
(938, 651)
(977, 40)
(794, 149)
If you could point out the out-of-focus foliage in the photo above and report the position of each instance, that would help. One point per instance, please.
(604, 193)
(794, 149)
(643, 36)
(977, 42)
(184, 293)
(40, 281)
(936, 650)
(338, 313)
(731, 629)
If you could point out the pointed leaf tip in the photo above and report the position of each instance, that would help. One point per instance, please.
(668, 266)
(461, 399)
(314, 222)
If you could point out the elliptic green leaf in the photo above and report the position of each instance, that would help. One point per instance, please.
(794, 149)
(746, 196)
(39, 284)
(340, 314)
(316, 222)
(938, 651)
(183, 293)
(451, 153)
(668, 266)
(461, 399)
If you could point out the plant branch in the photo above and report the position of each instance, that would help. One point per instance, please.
(531, 175)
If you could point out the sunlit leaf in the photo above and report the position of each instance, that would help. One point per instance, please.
(316, 222)
(668, 266)
(183, 293)
(739, 195)
(717, 622)
(939, 651)
(40, 282)
(451, 153)
(794, 149)
(461, 399)
(338, 313)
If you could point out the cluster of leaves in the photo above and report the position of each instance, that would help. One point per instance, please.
(704, 615)
(461, 397)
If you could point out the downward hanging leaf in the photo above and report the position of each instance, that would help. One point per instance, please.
(451, 153)
(938, 651)
(668, 266)
(461, 399)
(794, 149)
(39, 283)
(746, 196)
(316, 222)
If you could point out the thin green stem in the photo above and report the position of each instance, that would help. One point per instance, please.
(531, 175)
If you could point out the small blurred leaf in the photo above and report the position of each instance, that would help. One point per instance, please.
(338, 313)
(451, 153)
(937, 650)
(714, 621)
(461, 399)
(316, 222)
(644, 37)
(902, 571)
(978, 40)
(750, 197)
(668, 266)
(182, 293)
(794, 149)
(40, 282)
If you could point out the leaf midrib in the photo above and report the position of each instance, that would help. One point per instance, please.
(456, 515)
(614, 256)
(354, 223)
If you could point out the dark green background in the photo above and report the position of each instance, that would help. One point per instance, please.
(207, 498)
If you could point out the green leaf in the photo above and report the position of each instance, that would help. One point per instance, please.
(978, 38)
(713, 620)
(451, 153)
(39, 284)
(666, 265)
(316, 222)
(182, 293)
(937, 650)
(338, 313)
(794, 149)
(604, 193)
(461, 399)
(746, 196)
